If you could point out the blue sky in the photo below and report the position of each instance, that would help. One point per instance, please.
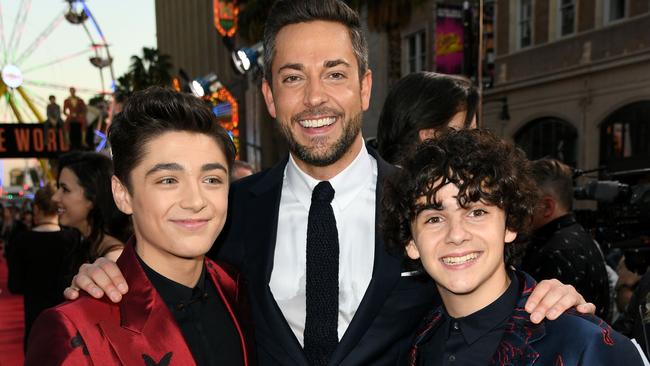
(128, 25)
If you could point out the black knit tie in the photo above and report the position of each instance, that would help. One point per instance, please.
(322, 286)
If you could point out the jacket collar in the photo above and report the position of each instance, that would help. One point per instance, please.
(143, 305)
(386, 268)
(515, 347)
(136, 307)
(146, 317)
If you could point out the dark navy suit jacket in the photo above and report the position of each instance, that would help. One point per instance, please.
(571, 340)
(382, 328)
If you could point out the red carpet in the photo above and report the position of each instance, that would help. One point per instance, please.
(11, 322)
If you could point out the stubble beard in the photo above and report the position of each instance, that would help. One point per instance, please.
(319, 153)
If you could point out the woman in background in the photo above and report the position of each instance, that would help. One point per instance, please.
(85, 202)
(421, 104)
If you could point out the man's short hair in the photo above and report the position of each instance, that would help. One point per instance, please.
(43, 200)
(482, 166)
(554, 178)
(152, 112)
(287, 12)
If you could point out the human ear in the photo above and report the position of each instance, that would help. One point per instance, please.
(412, 250)
(510, 236)
(268, 98)
(549, 206)
(366, 88)
(426, 133)
(121, 196)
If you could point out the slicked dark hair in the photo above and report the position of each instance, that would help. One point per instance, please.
(419, 101)
(287, 12)
(152, 112)
(482, 166)
(555, 178)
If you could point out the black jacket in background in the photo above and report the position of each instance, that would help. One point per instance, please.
(40, 268)
(562, 249)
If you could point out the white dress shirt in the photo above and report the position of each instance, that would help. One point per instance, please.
(354, 210)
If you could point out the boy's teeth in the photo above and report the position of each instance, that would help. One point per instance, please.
(459, 260)
(314, 123)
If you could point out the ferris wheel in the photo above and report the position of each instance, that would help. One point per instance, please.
(66, 48)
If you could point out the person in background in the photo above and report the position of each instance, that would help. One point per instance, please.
(240, 170)
(74, 110)
(10, 226)
(43, 259)
(27, 217)
(85, 202)
(559, 246)
(419, 106)
(455, 208)
(53, 112)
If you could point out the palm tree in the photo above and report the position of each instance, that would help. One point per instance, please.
(153, 68)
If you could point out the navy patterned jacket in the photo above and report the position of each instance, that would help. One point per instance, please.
(572, 339)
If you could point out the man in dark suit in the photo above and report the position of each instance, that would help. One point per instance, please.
(317, 85)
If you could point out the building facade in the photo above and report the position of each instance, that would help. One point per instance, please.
(186, 31)
(572, 81)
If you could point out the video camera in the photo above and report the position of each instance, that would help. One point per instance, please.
(622, 220)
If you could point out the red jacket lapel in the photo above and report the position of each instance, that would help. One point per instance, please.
(147, 330)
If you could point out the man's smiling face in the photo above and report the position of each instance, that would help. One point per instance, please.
(317, 96)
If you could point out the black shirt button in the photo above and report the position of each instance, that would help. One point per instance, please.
(456, 326)
(452, 358)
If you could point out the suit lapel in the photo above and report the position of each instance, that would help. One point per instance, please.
(385, 274)
(516, 346)
(227, 289)
(261, 234)
(147, 333)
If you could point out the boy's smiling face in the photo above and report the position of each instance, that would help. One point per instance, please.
(179, 196)
(461, 248)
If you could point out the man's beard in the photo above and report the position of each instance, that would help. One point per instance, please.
(319, 153)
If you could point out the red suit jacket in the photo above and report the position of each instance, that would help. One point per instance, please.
(75, 112)
(139, 330)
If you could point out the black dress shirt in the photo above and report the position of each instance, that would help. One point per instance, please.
(562, 249)
(202, 318)
(471, 340)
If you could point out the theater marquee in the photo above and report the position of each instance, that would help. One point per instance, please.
(26, 140)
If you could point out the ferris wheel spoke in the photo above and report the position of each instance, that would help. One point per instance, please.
(43, 84)
(19, 27)
(59, 60)
(40, 39)
(30, 104)
(2, 35)
(37, 99)
(14, 107)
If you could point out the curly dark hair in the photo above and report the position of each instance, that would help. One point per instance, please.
(482, 166)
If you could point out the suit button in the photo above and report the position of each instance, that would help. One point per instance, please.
(452, 358)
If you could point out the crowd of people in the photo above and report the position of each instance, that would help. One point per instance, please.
(444, 246)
